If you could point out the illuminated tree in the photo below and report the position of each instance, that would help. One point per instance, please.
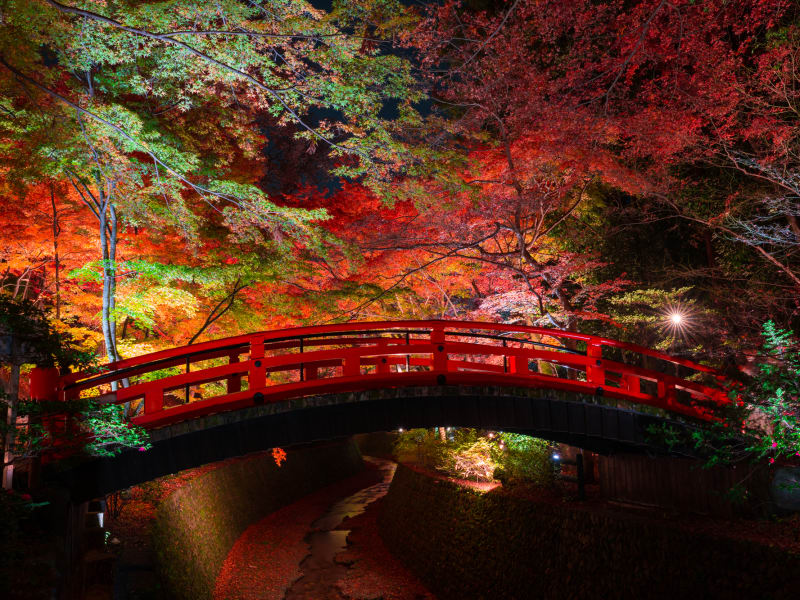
(125, 104)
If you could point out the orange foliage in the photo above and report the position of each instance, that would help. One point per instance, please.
(279, 455)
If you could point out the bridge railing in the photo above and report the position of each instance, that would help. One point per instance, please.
(183, 383)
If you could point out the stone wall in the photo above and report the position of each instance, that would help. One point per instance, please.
(466, 544)
(196, 526)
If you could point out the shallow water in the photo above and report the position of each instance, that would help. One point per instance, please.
(319, 568)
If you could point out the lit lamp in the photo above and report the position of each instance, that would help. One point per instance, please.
(678, 321)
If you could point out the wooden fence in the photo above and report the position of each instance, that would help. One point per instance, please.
(683, 485)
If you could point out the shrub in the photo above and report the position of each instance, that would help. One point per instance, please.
(420, 446)
(475, 460)
(763, 419)
(471, 454)
(527, 458)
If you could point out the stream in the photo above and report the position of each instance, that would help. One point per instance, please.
(320, 570)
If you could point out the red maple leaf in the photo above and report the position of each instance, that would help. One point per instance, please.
(279, 454)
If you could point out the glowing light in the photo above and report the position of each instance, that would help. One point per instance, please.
(400, 430)
(556, 457)
(678, 321)
(491, 434)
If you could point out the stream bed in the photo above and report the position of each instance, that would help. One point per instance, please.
(320, 569)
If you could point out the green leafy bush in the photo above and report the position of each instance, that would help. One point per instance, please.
(110, 431)
(420, 446)
(471, 454)
(773, 397)
(36, 339)
(527, 458)
(475, 460)
(79, 425)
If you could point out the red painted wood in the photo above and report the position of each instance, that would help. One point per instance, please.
(359, 356)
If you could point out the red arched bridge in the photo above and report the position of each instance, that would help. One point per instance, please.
(177, 384)
(195, 392)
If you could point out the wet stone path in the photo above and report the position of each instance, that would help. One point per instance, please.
(323, 547)
(321, 570)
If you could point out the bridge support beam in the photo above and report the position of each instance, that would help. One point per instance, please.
(561, 417)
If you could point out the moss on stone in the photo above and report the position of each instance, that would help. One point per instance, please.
(466, 544)
(196, 526)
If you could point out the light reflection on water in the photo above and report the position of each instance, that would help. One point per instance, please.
(320, 569)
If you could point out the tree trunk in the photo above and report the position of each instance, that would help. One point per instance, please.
(12, 393)
(108, 246)
(124, 331)
(112, 246)
(56, 232)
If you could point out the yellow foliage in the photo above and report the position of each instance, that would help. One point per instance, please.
(85, 339)
(129, 347)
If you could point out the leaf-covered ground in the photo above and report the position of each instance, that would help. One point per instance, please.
(266, 560)
(374, 572)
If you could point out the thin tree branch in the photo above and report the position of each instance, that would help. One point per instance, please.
(192, 50)
(218, 310)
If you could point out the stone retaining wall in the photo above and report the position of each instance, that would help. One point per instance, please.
(466, 544)
(196, 526)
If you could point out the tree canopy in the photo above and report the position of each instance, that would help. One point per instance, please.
(175, 171)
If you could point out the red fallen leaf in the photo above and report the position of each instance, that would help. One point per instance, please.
(279, 454)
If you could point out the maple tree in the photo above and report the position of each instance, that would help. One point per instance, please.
(132, 117)
(178, 172)
(681, 109)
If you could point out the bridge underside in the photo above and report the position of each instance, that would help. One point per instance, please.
(558, 416)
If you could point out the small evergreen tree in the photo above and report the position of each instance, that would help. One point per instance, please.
(772, 399)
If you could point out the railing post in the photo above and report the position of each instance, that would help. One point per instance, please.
(351, 366)
(256, 373)
(187, 399)
(408, 356)
(632, 383)
(234, 382)
(439, 350)
(595, 372)
(383, 362)
(302, 365)
(667, 393)
(517, 364)
(153, 401)
(44, 383)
